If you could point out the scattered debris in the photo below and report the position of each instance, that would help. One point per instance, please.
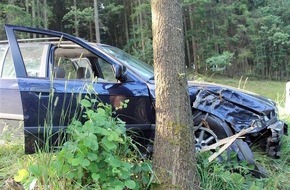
(226, 142)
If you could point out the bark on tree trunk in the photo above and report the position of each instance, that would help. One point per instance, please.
(97, 28)
(33, 16)
(174, 158)
(91, 31)
(45, 14)
(76, 25)
(195, 61)
(27, 6)
(142, 33)
(187, 46)
(134, 22)
(126, 23)
(38, 7)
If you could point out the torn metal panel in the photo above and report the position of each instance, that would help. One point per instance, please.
(242, 110)
(245, 99)
(218, 105)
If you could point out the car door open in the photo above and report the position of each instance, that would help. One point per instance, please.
(54, 71)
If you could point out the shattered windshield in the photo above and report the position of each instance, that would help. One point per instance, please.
(144, 70)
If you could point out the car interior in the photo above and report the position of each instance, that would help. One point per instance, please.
(78, 63)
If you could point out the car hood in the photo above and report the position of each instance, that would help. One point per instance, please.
(237, 107)
(242, 98)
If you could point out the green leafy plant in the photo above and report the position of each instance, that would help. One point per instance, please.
(98, 154)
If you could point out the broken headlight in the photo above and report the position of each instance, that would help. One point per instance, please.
(257, 124)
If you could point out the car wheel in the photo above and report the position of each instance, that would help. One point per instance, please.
(245, 153)
(211, 125)
(208, 129)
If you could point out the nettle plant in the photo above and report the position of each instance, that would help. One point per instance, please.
(98, 154)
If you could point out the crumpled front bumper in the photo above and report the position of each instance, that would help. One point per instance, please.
(273, 145)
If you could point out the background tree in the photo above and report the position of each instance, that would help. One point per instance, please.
(173, 158)
(257, 33)
(96, 15)
(45, 14)
(76, 20)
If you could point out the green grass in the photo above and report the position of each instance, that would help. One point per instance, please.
(10, 156)
(11, 152)
(274, 90)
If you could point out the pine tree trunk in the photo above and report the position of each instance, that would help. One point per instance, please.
(27, 6)
(33, 16)
(142, 33)
(134, 22)
(174, 158)
(38, 15)
(126, 22)
(188, 54)
(76, 25)
(97, 28)
(195, 60)
(45, 14)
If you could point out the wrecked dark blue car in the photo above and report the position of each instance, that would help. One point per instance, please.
(39, 68)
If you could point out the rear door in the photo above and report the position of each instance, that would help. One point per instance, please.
(51, 82)
(11, 115)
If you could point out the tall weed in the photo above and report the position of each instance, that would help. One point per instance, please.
(97, 155)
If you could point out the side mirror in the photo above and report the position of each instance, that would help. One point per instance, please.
(120, 72)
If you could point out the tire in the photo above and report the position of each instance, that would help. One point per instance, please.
(245, 153)
(207, 127)
(219, 127)
(219, 130)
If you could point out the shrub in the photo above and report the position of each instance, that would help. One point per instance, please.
(98, 154)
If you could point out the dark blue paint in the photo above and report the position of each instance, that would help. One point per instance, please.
(16, 55)
(36, 102)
